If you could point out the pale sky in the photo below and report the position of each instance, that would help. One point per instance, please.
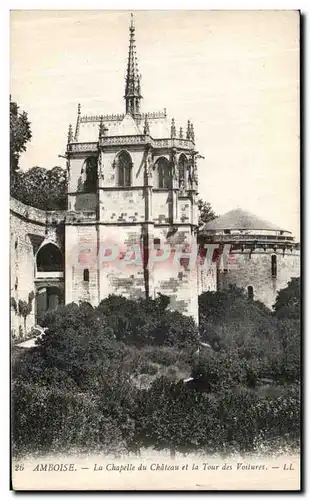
(235, 74)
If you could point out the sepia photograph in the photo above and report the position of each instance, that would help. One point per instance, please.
(155, 329)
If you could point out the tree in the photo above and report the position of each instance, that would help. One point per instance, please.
(206, 213)
(77, 348)
(287, 304)
(25, 308)
(20, 134)
(42, 188)
(147, 322)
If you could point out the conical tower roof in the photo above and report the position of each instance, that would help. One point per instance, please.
(240, 219)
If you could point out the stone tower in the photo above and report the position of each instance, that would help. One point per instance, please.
(262, 257)
(132, 204)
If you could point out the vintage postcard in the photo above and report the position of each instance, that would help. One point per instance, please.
(155, 250)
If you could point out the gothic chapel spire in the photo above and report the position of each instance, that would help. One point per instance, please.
(132, 90)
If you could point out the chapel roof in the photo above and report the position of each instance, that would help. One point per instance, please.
(132, 122)
(122, 125)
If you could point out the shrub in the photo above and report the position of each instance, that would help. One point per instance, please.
(148, 368)
(77, 349)
(147, 322)
(171, 416)
(164, 355)
(166, 416)
(51, 419)
(84, 378)
(287, 304)
(219, 371)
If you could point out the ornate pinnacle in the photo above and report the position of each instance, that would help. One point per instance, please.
(139, 84)
(78, 120)
(146, 129)
(181, 133)
(133, 87)
(192, 133)
(102, 128)
(70, 134)
(188, 130)
(173, 129)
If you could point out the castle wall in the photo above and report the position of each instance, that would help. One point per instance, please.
(122, 273)
(254, 269)
(161, 206)
(81, 254)
(207, 278)
(122, 205)
(176, 275)
(29, 227)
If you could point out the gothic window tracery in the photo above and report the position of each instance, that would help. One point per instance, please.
(163, 173)
(124, 169)
(89, 174)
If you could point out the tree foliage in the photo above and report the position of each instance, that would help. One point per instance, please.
(206, 213)
(38, 187)
(85, 346)
(287, 304)
(147, 322)
(20, 134)
(249, 342)
(42, 188)
(78, 386)
(166, 416)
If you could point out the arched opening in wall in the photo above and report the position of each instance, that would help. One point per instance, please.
(124, 169)
(182, 167)
(163, 176)
(274, 266)
(48, 298)
(89, 170)
(49, 259)
(250, 293)
(86, 275)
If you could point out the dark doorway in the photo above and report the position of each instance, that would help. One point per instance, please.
(48, 298)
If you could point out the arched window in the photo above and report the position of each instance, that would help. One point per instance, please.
(86, 275)
(182, 170)
(250, 292)
(162, 169)
(49, 259)
(274, 266)
(89, 170)
(124, 169)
